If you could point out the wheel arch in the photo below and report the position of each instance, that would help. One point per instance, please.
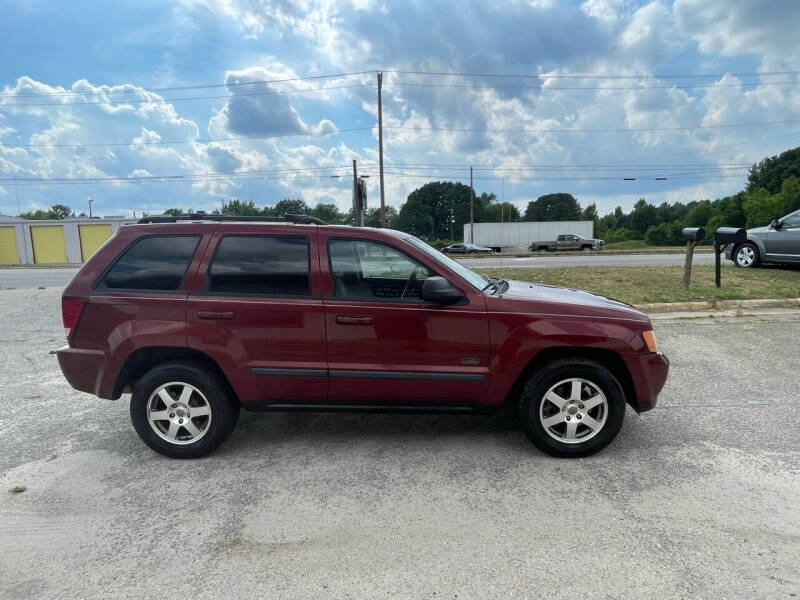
(144, 359)
(608, 358)
(757, 242)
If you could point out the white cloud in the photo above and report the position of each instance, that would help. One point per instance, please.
(765, 27)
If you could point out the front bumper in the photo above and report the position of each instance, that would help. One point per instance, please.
(648, 374)
(83, 369)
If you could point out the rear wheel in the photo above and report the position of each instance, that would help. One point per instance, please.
(183, 411)
(572, 408)
(747, 256)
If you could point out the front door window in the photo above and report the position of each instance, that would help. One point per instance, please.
(372, 271)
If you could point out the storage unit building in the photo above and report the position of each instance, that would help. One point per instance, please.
(92, 237)
(49, 245)
(56, 241)
(9, 253)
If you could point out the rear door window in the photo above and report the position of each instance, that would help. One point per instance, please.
(156, 263)
(265, 265)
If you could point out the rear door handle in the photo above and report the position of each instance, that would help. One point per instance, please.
(212, 314)
(353, 320)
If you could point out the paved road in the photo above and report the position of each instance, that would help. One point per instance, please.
(695, 499)
(44, 277)
(587, 260)
(35, 277)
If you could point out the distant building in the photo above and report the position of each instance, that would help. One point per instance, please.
(57, 241)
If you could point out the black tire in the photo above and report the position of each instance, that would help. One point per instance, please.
(533, 397)
(586, 247)
(740, 260)
(223, 406)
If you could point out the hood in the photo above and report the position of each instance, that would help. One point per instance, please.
(523, 290)
(763, 229)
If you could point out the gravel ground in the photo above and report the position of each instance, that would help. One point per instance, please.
(696, 499)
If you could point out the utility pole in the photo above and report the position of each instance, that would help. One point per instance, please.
(380, 146)
(356, 196)
(90, 206)
(471, 209)
(502, 207)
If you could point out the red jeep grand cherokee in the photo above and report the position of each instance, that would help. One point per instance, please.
(199, 316)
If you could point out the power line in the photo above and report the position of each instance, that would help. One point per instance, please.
(207, 141)
(405, 72)
(571, 166)
(200, 86)
(593, 76)
(166, 100)
(621, 130)
(405, 128)
(595, 88)
(185, 176)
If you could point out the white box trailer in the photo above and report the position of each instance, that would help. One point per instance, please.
(516, 237)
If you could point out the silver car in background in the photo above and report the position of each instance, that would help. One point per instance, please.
(778, 242)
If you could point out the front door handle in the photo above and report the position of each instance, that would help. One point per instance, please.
(353, 320)
(213, 314)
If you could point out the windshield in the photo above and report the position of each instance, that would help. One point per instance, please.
(471, 276)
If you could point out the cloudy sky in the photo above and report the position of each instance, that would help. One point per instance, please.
(149, 104)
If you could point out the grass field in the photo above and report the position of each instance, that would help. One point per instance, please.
(642, 246)
(642, 285)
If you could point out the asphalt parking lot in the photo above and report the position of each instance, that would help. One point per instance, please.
(695, 499)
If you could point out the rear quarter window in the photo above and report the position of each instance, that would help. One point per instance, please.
(157, 263)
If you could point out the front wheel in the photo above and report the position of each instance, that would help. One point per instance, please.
(747, 256)
(572, 408)
(182, 411)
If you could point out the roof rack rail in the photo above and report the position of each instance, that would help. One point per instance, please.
(297, 219)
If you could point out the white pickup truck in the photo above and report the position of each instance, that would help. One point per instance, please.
(569, 241)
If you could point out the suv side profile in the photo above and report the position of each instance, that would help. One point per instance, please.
(200, 317)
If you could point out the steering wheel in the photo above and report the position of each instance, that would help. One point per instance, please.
(411, 279)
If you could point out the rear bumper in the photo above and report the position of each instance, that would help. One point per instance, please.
(83, 369)
(648, 373)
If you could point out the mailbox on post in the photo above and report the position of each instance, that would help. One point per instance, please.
(729, 235)
(692, 235)
(723, 237)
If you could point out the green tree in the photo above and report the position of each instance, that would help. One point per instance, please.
(174, 212)
(553, 207)
(699, 213)
(290, 206)
(495, 213)
(443, 201)
(241, 209)
(372, 218)
(643, 216)
(328, 213)
(57, 211)
(761, 208)
(61, 211)
(770, 173)
(415, 217)
(790, 190)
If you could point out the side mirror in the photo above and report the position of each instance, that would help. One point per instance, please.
(775, 224)
(439, 290)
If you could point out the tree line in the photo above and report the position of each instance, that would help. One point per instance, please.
(438, 211)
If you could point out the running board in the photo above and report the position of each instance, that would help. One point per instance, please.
(366, 408)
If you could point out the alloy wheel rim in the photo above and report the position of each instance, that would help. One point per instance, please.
(745, 256)
(573, 410)
(179, 413)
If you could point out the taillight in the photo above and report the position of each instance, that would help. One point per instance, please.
(71, 309)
